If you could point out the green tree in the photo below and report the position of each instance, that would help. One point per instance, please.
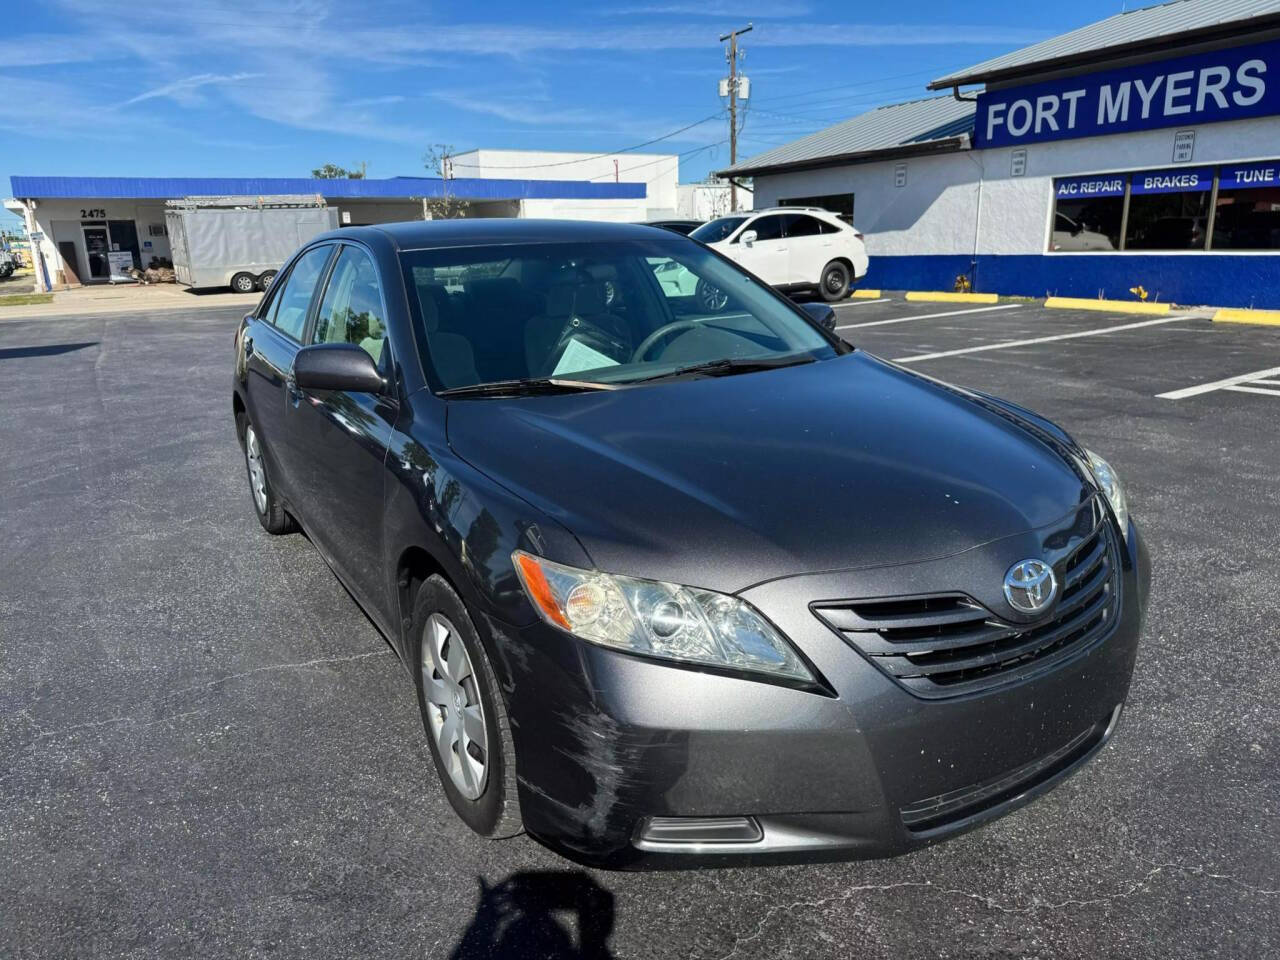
(331, 171)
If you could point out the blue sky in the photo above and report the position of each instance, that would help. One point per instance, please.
(274, 87)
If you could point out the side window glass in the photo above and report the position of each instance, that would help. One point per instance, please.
(289, 311)
(767, 228)
(799, 225)
(351, 311)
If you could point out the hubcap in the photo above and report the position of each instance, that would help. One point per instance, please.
(257, 473)
(454, 711)
(833, 280)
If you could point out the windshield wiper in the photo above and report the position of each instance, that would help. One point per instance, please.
(525, 386)
(727, 367)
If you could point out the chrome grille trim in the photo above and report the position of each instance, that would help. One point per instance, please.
(947, 644)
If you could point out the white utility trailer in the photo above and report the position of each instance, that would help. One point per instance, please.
(240, 242)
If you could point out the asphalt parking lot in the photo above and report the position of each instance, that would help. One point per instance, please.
(210, 751)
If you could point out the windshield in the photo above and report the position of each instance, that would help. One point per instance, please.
(611, 313)
(717, 230)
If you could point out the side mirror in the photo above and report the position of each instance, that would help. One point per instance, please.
(821, 314)
(748, 237)
(337, 366)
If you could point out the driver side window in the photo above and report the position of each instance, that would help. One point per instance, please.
(767, 228)
(351, 311)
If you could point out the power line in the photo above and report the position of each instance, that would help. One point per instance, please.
(845, 86)
(600, 156)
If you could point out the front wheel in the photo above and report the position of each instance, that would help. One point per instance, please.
(463, 713)
(835, 281)
(264, 281)
(271, 512)
(244, 283)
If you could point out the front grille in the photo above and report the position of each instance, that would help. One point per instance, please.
(948, 644)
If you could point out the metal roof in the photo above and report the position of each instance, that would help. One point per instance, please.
(470, 188)
(901, 128)
(1182, 21)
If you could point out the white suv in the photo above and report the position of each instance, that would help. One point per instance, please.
(791, 248)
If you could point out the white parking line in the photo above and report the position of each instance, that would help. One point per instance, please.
(862, 303)
(1005, 345)
(926, 316)
(1241, 388)
(1217, 384)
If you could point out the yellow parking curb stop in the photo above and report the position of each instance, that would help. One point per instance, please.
(942, 296)
(865, 294)
(1266, 318)
(1109, 306)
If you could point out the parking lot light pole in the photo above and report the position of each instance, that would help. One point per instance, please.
(732, 57)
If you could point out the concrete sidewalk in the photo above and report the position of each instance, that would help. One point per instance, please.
(130, 298)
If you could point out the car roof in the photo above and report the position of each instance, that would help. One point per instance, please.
(433, 234)
(788, 210)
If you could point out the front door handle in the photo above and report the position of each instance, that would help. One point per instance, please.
(291, 388)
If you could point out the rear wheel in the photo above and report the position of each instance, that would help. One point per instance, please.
(271, 514)
(835, 281)
(265, 280)
(463, 713)
(244, 283)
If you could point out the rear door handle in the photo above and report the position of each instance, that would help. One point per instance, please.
(248, 346)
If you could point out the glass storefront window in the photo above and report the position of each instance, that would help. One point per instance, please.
(1247, 214)
(1169, 209)
(1087, 213)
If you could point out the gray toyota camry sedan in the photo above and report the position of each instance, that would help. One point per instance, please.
(680, 586)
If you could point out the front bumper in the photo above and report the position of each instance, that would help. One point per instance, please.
(605, 741)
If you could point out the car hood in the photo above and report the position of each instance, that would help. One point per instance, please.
(726, 482)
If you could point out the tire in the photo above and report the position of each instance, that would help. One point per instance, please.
(459, 677)
(271, 514)
(834, 284)
(244, 283)
(265, 280)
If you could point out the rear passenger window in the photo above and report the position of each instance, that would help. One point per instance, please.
(289, 312)
(351, 311)
(800, 225)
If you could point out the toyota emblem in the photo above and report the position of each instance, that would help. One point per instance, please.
(1030, 586)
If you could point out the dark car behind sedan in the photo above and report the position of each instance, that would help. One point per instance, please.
(683, 227)
(679, 587)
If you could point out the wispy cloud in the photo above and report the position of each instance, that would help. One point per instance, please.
(774, 11)
(181, 90)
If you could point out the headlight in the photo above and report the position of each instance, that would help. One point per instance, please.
(1109, 483)
(657, 619)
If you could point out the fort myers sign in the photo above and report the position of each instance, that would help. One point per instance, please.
(1209, 87)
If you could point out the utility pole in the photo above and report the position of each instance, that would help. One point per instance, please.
(732, 57)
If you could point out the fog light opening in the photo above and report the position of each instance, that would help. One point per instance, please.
(701, 830)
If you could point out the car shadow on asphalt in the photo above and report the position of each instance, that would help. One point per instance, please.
(50, 350)
(524, 916)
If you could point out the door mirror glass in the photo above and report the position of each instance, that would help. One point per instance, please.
(820, 313)
(337, 366)
(748, 237)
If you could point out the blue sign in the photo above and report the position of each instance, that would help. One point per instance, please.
(1243, 176)
(1205, 88)
(1086, 188)
(1177, 180)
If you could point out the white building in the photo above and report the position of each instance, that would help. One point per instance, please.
(665, 197)
(1140, 151)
